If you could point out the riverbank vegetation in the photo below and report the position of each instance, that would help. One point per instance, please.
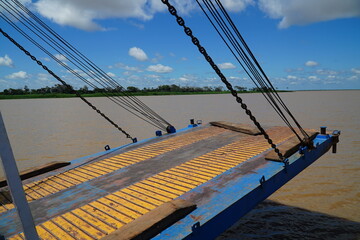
(60, 91)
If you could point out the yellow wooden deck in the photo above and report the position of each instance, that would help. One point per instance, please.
(101, 216)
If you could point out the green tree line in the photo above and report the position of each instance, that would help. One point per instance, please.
(58, 88)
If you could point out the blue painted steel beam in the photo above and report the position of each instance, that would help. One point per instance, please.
(233, 198)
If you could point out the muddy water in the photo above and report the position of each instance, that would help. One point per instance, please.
(323, 202)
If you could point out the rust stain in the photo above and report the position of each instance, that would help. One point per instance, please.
(121, 181)
(196, 218)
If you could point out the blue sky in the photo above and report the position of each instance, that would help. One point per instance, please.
(301, 44)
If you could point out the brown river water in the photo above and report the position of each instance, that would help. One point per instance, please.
(322, 202)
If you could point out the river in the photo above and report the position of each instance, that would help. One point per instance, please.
(322, 202)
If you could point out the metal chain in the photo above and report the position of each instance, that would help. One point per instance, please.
(202, 50)
(66, 85)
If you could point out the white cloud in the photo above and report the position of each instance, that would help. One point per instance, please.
(134, 69)
(355, 70)
(153, 76)
(331, 82)
(43, 77)
(313, 78)
(60, 57)
(295, 12)
(237, 5)
(138, 54)
(159, 68)
(326, 72)
(6, 61)
(84, 14)
(157, 58)
(110, 74)
(186, 78)
(125, 67)
(354, 77)
(311, 63)
(183, 79)
(226, 65)
(234, 78)
(291, 77)
(138, 25)
(18, 75)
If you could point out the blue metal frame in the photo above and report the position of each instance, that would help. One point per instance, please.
(239, 195)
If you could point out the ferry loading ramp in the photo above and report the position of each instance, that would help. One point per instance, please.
(193, 184)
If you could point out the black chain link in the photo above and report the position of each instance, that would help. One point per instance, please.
(65, 84)
(202, 50)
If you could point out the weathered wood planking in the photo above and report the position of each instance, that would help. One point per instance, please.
(153, 222)
(288, 148)
(238, 127)
(35, 171)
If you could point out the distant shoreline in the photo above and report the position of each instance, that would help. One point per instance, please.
(67, 95)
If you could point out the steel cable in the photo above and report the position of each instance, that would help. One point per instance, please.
(267, 89)
(127, 101)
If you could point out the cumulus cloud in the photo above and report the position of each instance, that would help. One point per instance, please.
(237, 5)
(354, 77)
(6, 61)
(84, 14)
(326, 72)
(355, 70)
(43, 77)
(311, 63)
(295, 12)
(226, 65)
(159, 68)
(125, 67)
(234, 78)
(60, 57)
(138, 54)
(313, 78)
(18, 75)
(110, 74)
(186, 78)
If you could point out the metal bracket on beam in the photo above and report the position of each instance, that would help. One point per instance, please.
(262, 181)
(195, 227)
(286, 164)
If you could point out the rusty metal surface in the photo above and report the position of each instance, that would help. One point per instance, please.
(226, 198)
(52, 183)
(102, 204)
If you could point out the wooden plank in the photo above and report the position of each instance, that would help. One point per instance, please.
(288, 148)
(238, 127)
(35, 171)
(153, 222)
